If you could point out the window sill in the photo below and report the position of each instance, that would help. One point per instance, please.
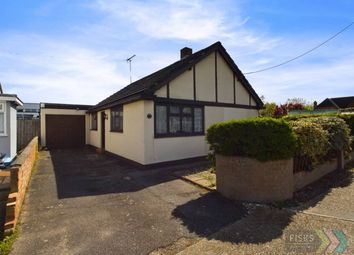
(93, 129)
(179, 135)
(3, 135)
(116, 131)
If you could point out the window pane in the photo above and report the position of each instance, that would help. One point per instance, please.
(2, 123)
(187, 124)
(174, 109)
(94, 121)
(175, 124)
(187, 110)
(161, 119)
(198, 120)
(117, 119)
(120, 122)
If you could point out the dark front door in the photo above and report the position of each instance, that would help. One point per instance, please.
(65, 131)
(103, 130)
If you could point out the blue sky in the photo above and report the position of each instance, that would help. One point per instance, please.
(74, 51)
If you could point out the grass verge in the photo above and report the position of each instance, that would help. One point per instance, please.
(6, 244)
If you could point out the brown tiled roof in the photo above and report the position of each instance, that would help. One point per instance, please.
(145, 87)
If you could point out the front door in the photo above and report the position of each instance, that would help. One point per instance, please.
(103, 130)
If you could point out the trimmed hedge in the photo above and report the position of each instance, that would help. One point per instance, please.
(312, 140)
(349, 119)
(339, 132)
(262, 138)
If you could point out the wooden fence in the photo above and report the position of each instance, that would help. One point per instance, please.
(27, 129)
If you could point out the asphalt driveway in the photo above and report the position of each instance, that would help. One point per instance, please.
(80, 202)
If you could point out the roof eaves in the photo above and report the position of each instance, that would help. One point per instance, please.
(12, 98)
(128, 99)
(64, 106)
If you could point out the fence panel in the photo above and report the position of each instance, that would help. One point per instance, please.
(26, 130)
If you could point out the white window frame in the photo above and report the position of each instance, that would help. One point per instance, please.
(3, 110)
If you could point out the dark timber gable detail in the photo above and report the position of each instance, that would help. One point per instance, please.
(216, 76)
(194, 85)
(234, 84)
(146, 87)
(168, 90)
(202, 103)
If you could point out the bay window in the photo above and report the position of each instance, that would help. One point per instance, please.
(178, 120)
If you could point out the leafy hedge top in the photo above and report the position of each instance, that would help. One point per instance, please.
(349, 119)
(338, 130)
(312, 140)
(261, 138)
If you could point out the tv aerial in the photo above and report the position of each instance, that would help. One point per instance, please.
(129, 60)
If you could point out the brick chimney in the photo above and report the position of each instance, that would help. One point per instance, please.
(186, 52)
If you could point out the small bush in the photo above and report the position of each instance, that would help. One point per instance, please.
(312, 140)
(268, 110)
(261, 138)
(338, 130)
(349, 119)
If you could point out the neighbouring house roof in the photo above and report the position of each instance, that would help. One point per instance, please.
(337, 103)
(65, 106)
(11, 98)
(145, 87)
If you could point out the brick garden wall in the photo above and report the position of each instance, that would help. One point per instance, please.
(242, 178)
(20, 175)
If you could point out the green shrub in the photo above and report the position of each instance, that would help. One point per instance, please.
(268, 110)
(261, 138)
(312, 140)
(338, 130)
(306, 116)
(349, 119)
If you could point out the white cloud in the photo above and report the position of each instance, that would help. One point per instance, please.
(56, 71)
(89, 65)
(312, 81)
(167, 19)
(192, 20)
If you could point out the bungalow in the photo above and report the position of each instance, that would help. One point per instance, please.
(8, 126)
(164, 116)
(337, 103)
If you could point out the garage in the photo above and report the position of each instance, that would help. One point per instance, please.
(65, 131)
(63, 126)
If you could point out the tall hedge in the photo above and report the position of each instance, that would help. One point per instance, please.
(312, 140)
(339, 132)
(262, 138)
(349, 119)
